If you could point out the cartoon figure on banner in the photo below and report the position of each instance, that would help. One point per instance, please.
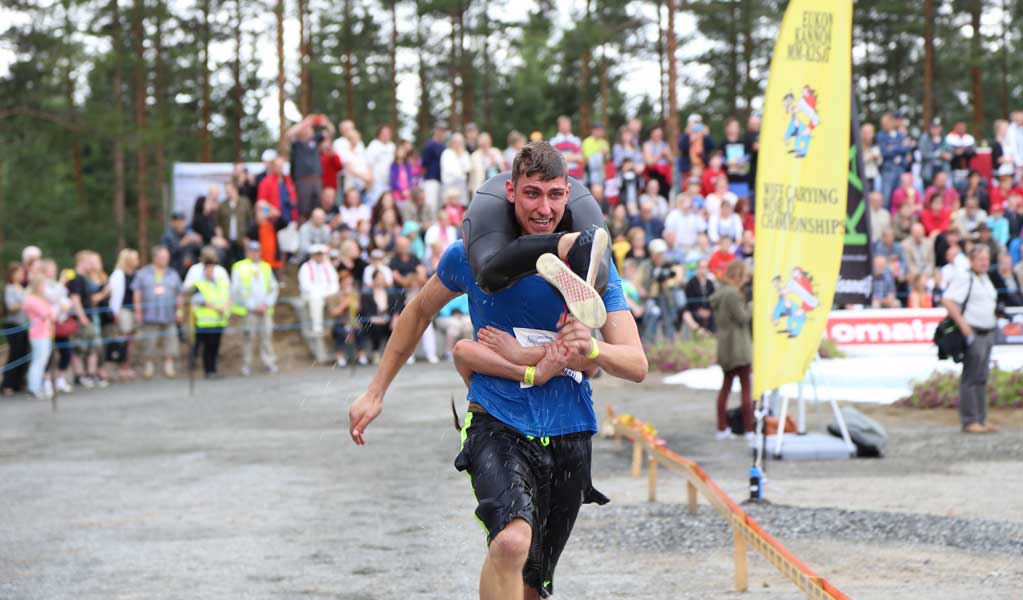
(795, 299)
(802, 121)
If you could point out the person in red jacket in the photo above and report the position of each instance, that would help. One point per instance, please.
(721, 257)
(937, 218)
(710, 175)
(275, 208)
(330, 163)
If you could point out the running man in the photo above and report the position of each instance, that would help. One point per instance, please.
(526, 443)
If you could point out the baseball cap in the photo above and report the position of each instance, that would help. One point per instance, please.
(177, 216)
(936, 122)
(694, 118)
(269, 154)
(253, 245)
(317, 248)
(1006, 170)
(377, 253)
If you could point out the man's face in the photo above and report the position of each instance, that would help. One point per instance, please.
(564, 125)
(939, 181)
(1017, 117)
(253, 255)
(539, 204)
(161, 258)
(960, 128)
(277, 167)
(318, 217)
(401, 246)
(753, 124)
(880, 264)
(981, 261)
(208, 270)
(917, 231)
(935, 130)
(907, 180)
(178, 225)
(888, 237)
(439, 133)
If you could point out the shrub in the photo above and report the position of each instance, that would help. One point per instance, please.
(829, 349)
(682, 355)
(941, 390)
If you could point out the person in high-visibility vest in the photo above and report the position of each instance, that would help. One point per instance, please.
(253, 295)
(212, 306)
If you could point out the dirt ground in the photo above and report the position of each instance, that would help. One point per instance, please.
(251, 489)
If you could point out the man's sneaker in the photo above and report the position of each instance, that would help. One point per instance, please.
(100, 382)
(168, 370)
(751, 439)
(63, 386)
(341, 362)
(86, 382)
(363, 361)
(149, 370)
(246, 371)
(582, 300)
(724, 434)
(272, 369)
(590, 258)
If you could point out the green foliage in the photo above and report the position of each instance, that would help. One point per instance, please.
(678, 356)
(941, 390)
(829, 349)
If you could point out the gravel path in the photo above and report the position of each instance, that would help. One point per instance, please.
(251, 489)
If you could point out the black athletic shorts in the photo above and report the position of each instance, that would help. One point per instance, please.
(541, 480)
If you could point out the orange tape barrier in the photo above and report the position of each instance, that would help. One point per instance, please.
(745, 531)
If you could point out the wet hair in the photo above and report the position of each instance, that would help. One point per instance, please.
(539, 158)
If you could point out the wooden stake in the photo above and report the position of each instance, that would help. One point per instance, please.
(741, 568)
(651, 478)
(637, 459)
(691, 492)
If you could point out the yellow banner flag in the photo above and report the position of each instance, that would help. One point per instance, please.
(801, 188)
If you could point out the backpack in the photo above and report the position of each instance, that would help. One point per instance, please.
(868, 435)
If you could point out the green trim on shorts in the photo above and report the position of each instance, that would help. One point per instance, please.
(464, 435)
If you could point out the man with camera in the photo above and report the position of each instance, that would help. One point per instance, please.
(971, 301)
(306, 168)
(665, 285)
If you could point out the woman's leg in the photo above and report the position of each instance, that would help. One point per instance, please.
(747, 398)
(726, 388)
(14, 377)
(213, 348)
(36, 368)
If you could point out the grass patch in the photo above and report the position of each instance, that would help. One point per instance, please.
(941, 390)
(678, 356)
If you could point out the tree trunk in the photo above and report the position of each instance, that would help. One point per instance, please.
(605, 91)
(672, 101)
(748, 86)
(585, 101)
(303, 62)
(283, 126)
(1004, 99)
(118, 146)
(928, 99)
(158, 101)
(423, 114)
(733, 55)
(394, 67)
(488, 98)
(237, 92)
(69, 96)
(453, 73)
(347, 64)
(138, 38)
(205, 154)
(976, 76)
(660, 64)
(465, 68)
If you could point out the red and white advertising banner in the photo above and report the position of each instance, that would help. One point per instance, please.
(872, 327)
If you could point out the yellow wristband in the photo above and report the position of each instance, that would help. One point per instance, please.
(529, 375)
(594, 349)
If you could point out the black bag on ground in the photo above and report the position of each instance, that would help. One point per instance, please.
(950, 341)
(866, 434)
(734, 417)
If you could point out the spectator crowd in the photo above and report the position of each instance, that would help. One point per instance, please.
(346, 232)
